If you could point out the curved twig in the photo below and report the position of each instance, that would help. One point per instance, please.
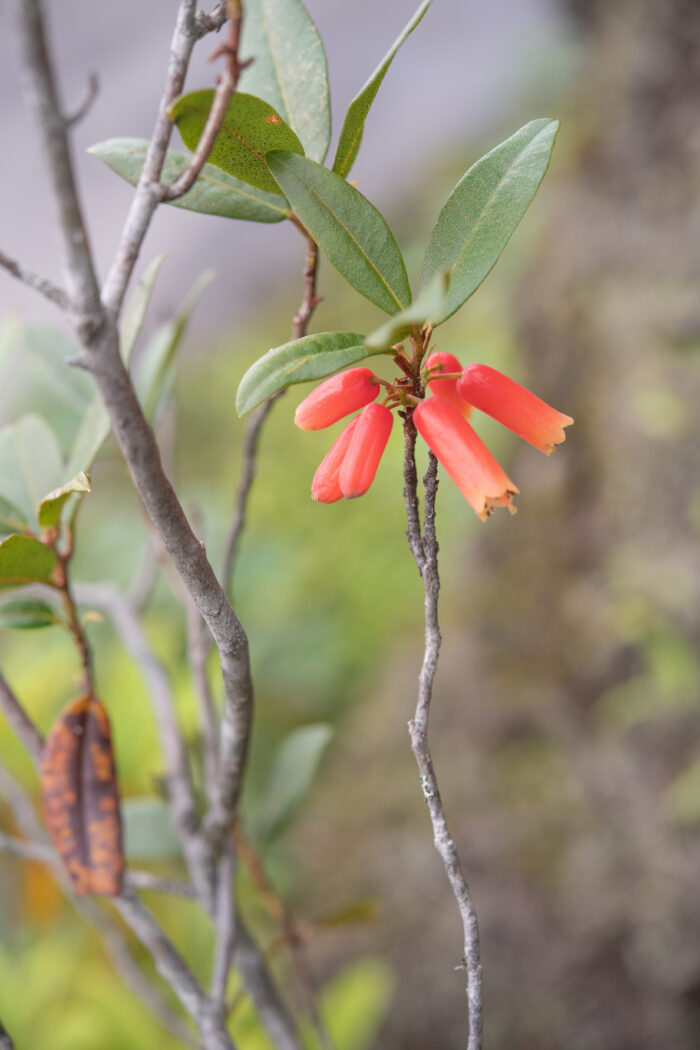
(425, 553)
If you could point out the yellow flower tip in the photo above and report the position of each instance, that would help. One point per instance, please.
(504, 500)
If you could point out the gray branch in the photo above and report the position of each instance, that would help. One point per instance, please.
(179, 780)
(94, 320)
(175, 971)
(425, 552)
(45, 287)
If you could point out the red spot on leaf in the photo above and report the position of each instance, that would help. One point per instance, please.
(273, 119)
(81, 798)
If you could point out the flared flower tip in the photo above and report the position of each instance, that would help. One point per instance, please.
(337, 397)
(464, 456)
(325, 487)
(367, 443)
(447, 364)
(515, 407)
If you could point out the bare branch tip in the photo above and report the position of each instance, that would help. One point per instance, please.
(93, 87)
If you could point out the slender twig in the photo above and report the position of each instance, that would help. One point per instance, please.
(300, 324)
(132, 976)
(198, 646)
(20, 721)
(175, 971)
(291, 935)
(179, 780)
(225, 925)
(145, 880)
(45, 287)
(150, 193)
(228, 83)
(73, 620)
(273, 1013)
(137, 880)
(28, 850)
(248, 472)
(93, 86)
(310, 300)
(410, 493)
(425, 552)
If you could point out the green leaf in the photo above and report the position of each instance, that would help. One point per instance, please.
(354, 124)
(94, 430)
(135, 309)
(154, 367)
(350, 231)
(11, 519)
(51, 506)
(293, 773)
(95, 426)
(290, 69)
(355, 1002)
(148, 830)
(30, 465)
(429, 304)
(311, 357)
(214, 192)
(484, 209)
(46, 350)
(24, 559)
(250, 129)
(23, 614)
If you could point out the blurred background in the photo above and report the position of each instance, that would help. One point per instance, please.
(566, 720)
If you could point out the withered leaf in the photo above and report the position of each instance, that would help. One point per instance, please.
(81, 798)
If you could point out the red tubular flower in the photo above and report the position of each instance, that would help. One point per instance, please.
(514, 406)
(464, 456)
(325, 487)
(367, 444)
(337, 397)
(447, 388)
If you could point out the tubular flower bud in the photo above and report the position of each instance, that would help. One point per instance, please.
(447, 388)
(325, 487)
(464, 456)
(513, 406)
(367, 444)
(337, 397)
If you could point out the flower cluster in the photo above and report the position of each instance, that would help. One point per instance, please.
(442, 420)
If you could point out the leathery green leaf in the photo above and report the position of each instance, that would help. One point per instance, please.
(290, 69)
(11, 519)
(311, 357)
(154, 368)
(352, 234)
(24, 614)
(95, 426)
(30, 465)
(354, 124)
(135, 309)
(24, 559)
(214, 193)
(51, 506)
(430, 303)
(293, 773)
(250, 129)
(484, 209)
